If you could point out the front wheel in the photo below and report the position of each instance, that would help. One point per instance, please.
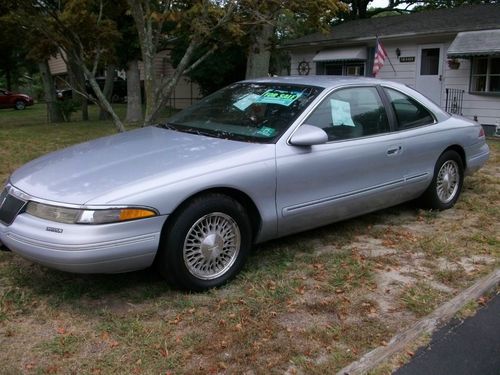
(447, 182)
(206, 244)
(20, 105)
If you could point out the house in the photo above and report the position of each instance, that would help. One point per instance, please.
(185, 93)
(450, 55)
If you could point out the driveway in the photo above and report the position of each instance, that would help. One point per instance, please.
(464, 347)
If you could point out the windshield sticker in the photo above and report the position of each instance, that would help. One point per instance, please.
(266, 132)
(246, 101)
(341, 113)
(279, 97)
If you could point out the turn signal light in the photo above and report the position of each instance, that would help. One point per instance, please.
(133, 213)
(481, 132)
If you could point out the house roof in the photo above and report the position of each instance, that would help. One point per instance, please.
(475, 43)
(439, 21)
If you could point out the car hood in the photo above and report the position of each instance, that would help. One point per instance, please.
(82, 173)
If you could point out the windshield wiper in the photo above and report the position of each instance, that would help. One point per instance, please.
(198, 131)
(168, 126)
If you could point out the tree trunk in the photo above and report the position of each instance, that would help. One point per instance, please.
(53, 113)
(149, 83)
(108, 90)
(8, 78)
(259, 54)
(134, 102)
(103, 102)
(77, 83)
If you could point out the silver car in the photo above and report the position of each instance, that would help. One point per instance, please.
(254, 161)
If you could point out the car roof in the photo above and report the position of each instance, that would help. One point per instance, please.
(319, 81)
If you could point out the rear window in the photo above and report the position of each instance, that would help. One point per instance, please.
(409, 112)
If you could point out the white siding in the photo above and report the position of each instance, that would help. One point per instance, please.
(300, 55)
(486, 108)
(185, 92)
(405, 72)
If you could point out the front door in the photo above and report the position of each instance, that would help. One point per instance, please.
(430, 71)
(357, 171)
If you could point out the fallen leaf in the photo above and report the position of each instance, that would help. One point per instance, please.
(113, 343)
(482, 301)
(51, 369)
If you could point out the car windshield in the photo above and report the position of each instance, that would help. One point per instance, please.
(251, 112)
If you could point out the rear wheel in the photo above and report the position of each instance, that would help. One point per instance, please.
(446, 184)
(20, 105)
(206, 244)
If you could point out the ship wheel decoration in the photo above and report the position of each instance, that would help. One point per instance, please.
(304, 68)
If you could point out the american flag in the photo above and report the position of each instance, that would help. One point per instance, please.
(380, 56)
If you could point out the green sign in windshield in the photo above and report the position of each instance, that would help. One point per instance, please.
(279, 97)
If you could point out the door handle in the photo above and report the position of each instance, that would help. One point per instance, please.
(394, 150)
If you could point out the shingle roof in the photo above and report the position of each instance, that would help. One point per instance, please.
(464, 18)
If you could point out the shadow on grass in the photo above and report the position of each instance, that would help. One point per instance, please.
(268, 260)
(61, 288)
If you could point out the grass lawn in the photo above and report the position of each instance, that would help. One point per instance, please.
(309, 303)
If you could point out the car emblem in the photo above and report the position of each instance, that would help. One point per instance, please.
(55, 230)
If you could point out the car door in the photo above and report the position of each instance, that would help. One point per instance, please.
(358, 170)
(418, 133)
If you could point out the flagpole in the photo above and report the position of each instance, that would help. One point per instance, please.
(377, 44)
(392, 66)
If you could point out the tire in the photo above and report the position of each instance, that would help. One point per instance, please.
(194, 254)
(447, 182)
(19, 105)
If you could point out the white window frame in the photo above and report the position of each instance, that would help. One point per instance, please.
(487, 75)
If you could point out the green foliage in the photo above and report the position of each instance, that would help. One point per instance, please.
(225, 66)
(67, 108)
(13, 47)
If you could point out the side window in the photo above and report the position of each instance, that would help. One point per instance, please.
(409, 113)
(351, 113)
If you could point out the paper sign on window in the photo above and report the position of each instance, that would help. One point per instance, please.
(246, 101)
(341, 113)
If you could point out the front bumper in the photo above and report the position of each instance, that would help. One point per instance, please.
(107, 248)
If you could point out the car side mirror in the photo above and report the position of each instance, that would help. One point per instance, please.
(308, 135)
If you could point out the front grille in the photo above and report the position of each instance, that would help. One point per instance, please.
(10, 206)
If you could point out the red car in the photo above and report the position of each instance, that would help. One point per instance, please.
(13, 100)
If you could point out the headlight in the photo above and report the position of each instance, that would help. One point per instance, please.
(53, 213)
(85, 216)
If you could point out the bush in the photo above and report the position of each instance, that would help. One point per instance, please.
(67, 108)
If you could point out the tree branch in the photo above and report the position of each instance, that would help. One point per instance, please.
(200, 60)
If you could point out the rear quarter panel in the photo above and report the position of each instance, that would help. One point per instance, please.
(422, 147)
